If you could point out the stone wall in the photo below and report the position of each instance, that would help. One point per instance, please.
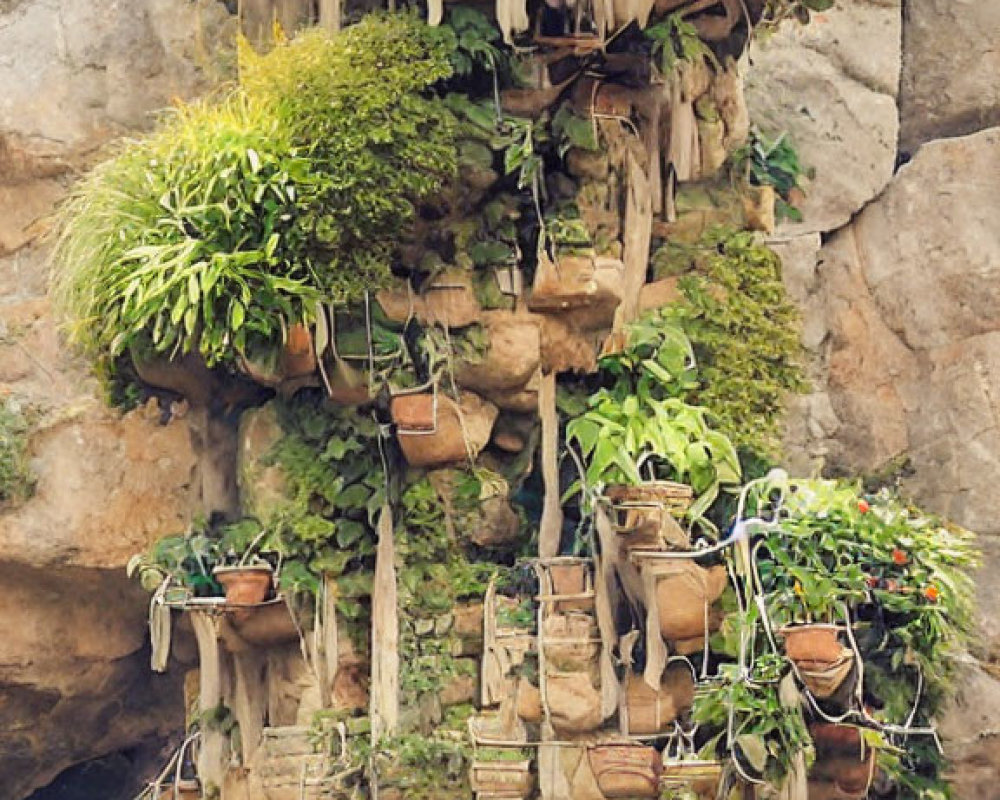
(74, 662)
(895, 271)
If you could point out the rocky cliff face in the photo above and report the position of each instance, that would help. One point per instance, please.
(895, 269)
(74, 674)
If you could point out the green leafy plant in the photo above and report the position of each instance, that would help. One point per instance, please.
(187, 560)
(639, 419)
(675, 40)
(904, 577)
(476, 41)
(237, 214)
(17, 481)
(767, 162)
(758, 719)
(777, 11)
(745, 335)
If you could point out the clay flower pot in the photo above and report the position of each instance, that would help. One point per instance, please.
(825, 679)
(574, 704)
(247, 585)
(297, 356)
(626, 769)
(700, 777)
(529, 701)
(675, 497)
(651, 711)
(414, 412)
(508, 779)
(831, 738)
(265, 625)
(851, 773)
(812, 645)
(684, 590)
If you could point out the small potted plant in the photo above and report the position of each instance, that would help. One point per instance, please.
(246, 577)
(184, 562)
(639, 442)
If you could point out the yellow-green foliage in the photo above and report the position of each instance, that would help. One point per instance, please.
(238, 212)
(745, 334)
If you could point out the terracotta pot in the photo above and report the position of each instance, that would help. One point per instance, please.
(824, 679)
(511, 779)
(184, 790)
(245, 586)
(683, 591)
(570, 579)
(413, 412)
(651, 711)
(574, 704)
(571, 641)
(626, 770)
(812, 645)
(297, 356)
(700, 777)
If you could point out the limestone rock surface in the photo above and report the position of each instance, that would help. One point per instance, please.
(831, 86)
(950, 84)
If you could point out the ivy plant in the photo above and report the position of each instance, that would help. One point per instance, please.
(773, 162)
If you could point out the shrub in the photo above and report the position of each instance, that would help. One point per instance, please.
(239, 212)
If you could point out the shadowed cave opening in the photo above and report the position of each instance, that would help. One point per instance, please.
(115, 776)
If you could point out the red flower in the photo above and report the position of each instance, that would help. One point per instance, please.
(863, 506)
(899, 557)
(932, 593)
(872, 582)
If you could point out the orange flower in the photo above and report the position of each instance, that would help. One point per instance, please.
(932, 593)
(798, 589)
(899, 557)
(891, 585)
(863, 506)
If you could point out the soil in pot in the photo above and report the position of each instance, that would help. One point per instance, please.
(245, 586)
(626, 770)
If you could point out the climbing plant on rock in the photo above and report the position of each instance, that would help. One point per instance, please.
(745, 333)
